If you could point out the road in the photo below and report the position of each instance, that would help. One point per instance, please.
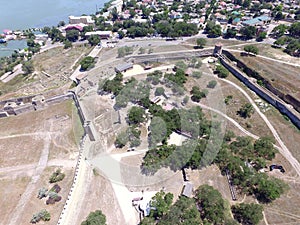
(282, 149)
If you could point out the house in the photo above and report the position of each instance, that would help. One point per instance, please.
(87, 20)
(101, 34)
(123, 67)
(74, 27)
(187, 190)
(261, 20)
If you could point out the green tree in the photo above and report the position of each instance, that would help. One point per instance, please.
(211, 204)
(56, 176)
(61, 23)
(264, 147)
(28, 67)
(159, 91)
(136, 115)
(267, 189)
(72, 35)
(221, 71)
(279, 30)
(248, 214)
(94, 40)
(161, 202)
(246, 110)
(212, 84)
(261, 36)
(293, 48)
(87, 63)
(42, 215)
(251, 49)
(95, 218)
(67, 44)
(200, 42)
(248, 32)
(183, 212)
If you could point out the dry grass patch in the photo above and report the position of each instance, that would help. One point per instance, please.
(10, 193)
(287, 131)
(20, 150)
(283, 77)
(35, 204)
(100, 195)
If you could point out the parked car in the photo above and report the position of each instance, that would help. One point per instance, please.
(279, 167)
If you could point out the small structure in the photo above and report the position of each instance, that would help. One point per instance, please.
(88, 20)
(101, 34)
(218, 49)
(123, 67)
(261, 20)
(187, 190)
(74, 27)
(38, 101)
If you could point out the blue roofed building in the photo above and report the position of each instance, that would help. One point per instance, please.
(261, 20)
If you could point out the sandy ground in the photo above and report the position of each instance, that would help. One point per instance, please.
(137, 70)
(176, 139)
(9, 76)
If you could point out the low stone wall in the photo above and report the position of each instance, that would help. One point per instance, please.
(269, 97)
(252, 73)
(75, 182)
(161, 57)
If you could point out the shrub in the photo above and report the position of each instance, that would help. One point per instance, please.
(42, 193)
(57, 176)
(212, 84)
(42, 215)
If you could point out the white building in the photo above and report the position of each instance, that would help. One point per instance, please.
(81, 19)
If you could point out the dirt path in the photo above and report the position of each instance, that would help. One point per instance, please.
(17, 212)
(282, 149)
(265, 57)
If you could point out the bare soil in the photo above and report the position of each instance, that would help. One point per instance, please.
(283, 77)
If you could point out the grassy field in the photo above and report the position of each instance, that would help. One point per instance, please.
(281, 76)
(23, 140)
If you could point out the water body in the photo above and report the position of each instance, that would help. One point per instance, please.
(8, 48)
(24, 14)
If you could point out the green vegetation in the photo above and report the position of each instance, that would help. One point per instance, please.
(28, 67)
(112, 86)
(42, 193)
(183, 212)
(57, 176)
(200, 42)
(87, 63)
(212, 84)
(248, 32)
(67, 44)
(94, 40)
(42, 215)
(136, 115)
(197, 94)
(221, 71)
(161, 202)
(251, 49)
(248, 213)
(246, 110)
(159, 91)
(211, 204)
(213, 30)
(228, 99)
(131, 135)
(123, 51)
(72, 35)
(95, 218)
(178, 78)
